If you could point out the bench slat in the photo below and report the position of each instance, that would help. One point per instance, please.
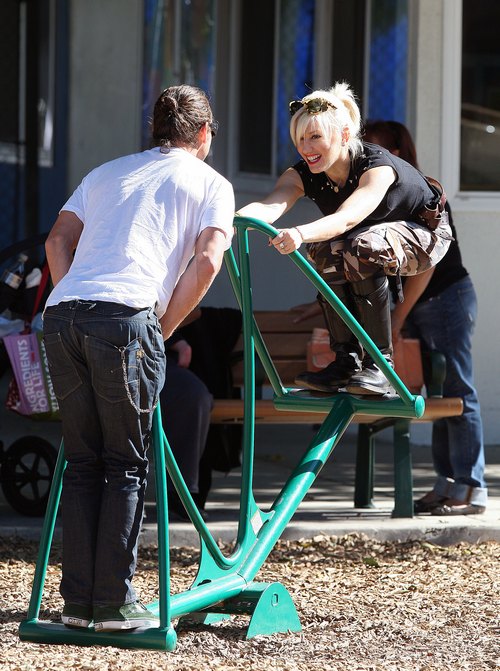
(283, 345)
(287, 369)
(282, 321)
(230, 411)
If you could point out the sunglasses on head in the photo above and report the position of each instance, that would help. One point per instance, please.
(214, 128)
(313, 106)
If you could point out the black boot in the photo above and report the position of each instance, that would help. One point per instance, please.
(348, 352)
(374, 310)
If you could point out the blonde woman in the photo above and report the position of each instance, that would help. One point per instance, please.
(374, 208)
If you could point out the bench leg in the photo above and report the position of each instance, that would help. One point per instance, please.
(403, 479)
(365, 459)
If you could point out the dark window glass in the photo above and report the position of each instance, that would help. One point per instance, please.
(388, 60)
(480, 123)
(296, 63)
(348, 47)
(256, 86)
(9, 72)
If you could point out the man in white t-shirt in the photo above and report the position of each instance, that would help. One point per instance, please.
(132, 252)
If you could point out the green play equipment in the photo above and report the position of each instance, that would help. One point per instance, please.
(225, 585)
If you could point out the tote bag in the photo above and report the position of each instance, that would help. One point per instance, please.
(30, 392)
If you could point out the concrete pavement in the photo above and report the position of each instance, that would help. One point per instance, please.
(327, 508)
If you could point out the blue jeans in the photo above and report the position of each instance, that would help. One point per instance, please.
(446, 323)
(107, 365)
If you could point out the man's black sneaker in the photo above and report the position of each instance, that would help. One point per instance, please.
(130, 616)
(77, 616)
(329, 380)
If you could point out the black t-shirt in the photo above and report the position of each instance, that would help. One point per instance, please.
(402, 202)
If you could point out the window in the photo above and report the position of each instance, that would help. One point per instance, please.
(276, 65)
(480, 104)
(252, 57)
(179, 48)
(286, 49)
(388, 50)
(27, 60)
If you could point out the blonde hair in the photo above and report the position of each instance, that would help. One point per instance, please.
(345, 115)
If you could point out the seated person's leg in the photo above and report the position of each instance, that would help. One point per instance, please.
(186, 404)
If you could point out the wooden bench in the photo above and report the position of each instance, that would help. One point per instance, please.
(287, 345)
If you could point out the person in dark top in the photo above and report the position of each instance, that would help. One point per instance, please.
(199, 362)
(373, 204)
(186, 404)
(440, 308)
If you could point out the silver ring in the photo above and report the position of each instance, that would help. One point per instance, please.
(282, 245)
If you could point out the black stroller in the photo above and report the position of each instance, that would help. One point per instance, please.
(27, 465)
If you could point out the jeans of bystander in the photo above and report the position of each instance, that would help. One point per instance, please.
(445, 323)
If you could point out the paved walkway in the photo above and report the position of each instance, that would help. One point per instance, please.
(327, 508)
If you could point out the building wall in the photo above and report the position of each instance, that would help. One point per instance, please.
(105, 88)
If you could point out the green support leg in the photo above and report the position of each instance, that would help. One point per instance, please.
(269, 605)
(273, 610)
(365, 459)
(163, 637)
(403, 479)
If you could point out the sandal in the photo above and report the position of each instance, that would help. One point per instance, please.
(454, 507)
(428, 503)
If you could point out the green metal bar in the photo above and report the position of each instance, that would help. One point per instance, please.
(247, 503)
(162, 521)
(260, 346)
(206, 595)
(47, 534)
(394, 407)
(298, 485)
(336, 304)
(57, 633)
(191, 509)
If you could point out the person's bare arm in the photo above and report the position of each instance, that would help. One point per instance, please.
(372, 188)
(414, 287)
(196, 279)
(287, 190)
(61, 243)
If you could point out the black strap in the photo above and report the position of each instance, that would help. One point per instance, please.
(22, 246)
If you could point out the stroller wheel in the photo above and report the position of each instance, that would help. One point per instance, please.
(27, 470)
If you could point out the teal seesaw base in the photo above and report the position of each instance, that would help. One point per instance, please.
(225, 584)
(269, 606)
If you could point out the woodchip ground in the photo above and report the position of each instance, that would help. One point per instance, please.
(364, 606)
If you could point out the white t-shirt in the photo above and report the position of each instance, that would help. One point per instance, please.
(142, 215)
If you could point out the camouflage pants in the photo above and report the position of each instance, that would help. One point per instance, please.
(398, 248)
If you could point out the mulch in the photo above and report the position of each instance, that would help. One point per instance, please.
(364, 606)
